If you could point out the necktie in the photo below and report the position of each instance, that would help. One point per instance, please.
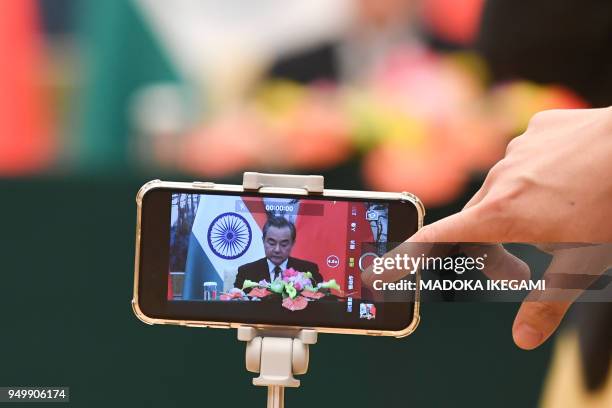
(277, 272)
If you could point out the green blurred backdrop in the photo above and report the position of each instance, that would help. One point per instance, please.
(67, 266)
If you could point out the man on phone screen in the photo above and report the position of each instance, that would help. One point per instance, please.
(278, 238)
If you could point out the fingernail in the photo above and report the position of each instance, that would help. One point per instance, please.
(527, 337)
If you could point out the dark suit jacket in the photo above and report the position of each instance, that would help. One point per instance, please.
(258, 270)
(305, 66)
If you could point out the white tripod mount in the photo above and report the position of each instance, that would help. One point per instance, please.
(278, 353)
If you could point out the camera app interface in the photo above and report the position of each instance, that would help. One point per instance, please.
(291, 252)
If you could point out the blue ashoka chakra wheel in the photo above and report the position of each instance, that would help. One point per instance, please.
(229, 235)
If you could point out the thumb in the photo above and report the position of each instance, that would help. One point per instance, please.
(536, 321)
(572, 270)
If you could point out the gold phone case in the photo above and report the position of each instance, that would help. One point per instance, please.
(208, 187)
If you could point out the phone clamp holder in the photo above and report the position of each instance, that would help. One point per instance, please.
(256, 181)
(278, 354)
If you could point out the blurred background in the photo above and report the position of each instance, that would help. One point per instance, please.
(391, 92)
(98, 97)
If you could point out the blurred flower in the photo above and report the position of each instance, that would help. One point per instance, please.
(453, 21)
(311, 127)
(228, 144)
(514, 103)
(435, 173)
(424, 84)
(423, 122)
(374, 121)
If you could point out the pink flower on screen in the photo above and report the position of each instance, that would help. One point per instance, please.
(289, 272)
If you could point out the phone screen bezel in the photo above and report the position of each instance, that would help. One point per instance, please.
(152, 270)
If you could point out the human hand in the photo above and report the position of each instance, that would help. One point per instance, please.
(553, 185)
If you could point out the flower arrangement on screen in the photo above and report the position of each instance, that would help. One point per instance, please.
(296, 289)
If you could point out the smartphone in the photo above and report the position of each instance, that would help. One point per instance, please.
(217, 255)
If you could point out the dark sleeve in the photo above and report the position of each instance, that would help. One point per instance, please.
(314, 269)
(240, 277)
(564, 42)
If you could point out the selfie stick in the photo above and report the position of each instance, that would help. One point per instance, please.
(278, 353)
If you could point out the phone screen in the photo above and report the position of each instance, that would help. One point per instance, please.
(269, 259)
